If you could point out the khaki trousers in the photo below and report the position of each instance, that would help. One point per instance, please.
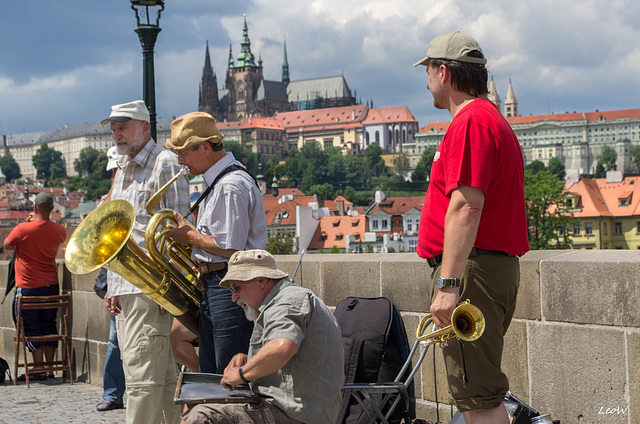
(149, 368)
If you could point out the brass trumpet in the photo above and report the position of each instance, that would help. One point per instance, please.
(467, 324)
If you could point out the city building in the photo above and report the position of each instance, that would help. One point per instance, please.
(608, 210)
(575, 138)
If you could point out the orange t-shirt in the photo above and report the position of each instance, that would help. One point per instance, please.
(37, 243)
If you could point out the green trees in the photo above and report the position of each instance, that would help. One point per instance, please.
(93, 176)
(549, 227)
(10, 168)
(280, 243)
(606, 161)
(48, 163)
(84, 163)
(423, 167)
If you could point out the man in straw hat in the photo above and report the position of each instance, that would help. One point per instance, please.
(230, 218)
(142, 325)
(295, 363)
(473, 225)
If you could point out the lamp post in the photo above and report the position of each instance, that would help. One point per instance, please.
(148, 33)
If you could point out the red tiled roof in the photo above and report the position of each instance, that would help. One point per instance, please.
(315, 119)
(259, 122)
(333, 231)
(389, 115)
(398, 205)
(599, 198)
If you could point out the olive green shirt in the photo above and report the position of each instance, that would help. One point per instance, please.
(308, 387)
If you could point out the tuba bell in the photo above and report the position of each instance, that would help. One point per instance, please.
(467, 324)
(103, 238)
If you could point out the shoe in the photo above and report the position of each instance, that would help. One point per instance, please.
(33, 377)
(107, 405)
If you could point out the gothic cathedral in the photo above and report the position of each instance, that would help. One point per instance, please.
(246, 93)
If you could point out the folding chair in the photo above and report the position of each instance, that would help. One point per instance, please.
(363, 393)
(62, 302)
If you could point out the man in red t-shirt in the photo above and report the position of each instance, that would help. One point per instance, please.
(37, 242)
(473, 226)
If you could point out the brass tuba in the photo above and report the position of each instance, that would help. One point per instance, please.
(467, 324)
(166, 275)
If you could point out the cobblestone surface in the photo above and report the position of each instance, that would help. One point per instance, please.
(54, 401)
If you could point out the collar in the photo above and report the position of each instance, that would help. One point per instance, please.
(210, 174)
(283, 283)
(143, 155)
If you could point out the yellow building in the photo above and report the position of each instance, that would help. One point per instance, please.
(608, 210)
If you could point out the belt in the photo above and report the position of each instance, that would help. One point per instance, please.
(207, 267)
(436, 260)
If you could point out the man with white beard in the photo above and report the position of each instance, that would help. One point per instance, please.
(142, 325)
(295, 362)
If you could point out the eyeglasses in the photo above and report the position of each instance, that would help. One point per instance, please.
(235, 287)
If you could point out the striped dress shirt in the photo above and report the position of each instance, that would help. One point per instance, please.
(136, 181)
(233, 212)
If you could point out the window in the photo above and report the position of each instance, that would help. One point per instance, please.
(605, 229)
(576, 230)
(617, 228)
(374, 224)
(588, 228)
(385, 223)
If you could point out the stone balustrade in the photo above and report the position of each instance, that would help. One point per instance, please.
(572, 350)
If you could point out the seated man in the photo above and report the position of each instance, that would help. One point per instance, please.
(295, 362)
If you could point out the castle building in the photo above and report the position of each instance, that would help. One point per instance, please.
(575, 138)
(247, 94)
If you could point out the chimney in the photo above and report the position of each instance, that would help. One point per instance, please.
(340, 204)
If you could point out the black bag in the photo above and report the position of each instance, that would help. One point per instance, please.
(100, 287)
(375, 347)
(4, 370)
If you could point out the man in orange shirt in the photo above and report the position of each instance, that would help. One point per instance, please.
(37, 244)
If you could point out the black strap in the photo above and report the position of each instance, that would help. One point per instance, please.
(227, 170)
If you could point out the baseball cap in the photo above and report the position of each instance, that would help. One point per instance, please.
(125, 111)
(453, 46)
(193, 129)
(44, 200)
(114, 158)
(245, 265)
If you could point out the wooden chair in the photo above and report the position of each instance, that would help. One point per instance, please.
(62, 302)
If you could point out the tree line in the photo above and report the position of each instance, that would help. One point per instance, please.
(328, 173)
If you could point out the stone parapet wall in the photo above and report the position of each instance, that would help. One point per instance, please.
(572, 350)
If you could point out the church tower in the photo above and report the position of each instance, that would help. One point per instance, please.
(208, 99)
(243, 79)
(285, 67)
(510, 103)
(493, 95)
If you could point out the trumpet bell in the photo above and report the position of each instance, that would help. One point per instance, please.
(467, 322)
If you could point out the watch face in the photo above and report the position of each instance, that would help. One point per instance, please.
(440, 282)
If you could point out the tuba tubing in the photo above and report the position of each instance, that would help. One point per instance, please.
(103, 239)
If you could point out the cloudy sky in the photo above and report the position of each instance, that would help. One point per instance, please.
(67, 61)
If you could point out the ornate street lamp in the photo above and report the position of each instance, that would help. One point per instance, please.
(148, 33)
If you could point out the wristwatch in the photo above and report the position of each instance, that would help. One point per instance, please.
(447, 282)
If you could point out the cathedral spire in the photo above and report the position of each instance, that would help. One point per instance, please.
(245, 58)
(493, 95)
(510, 103)
(208, 96)
(285, 66)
